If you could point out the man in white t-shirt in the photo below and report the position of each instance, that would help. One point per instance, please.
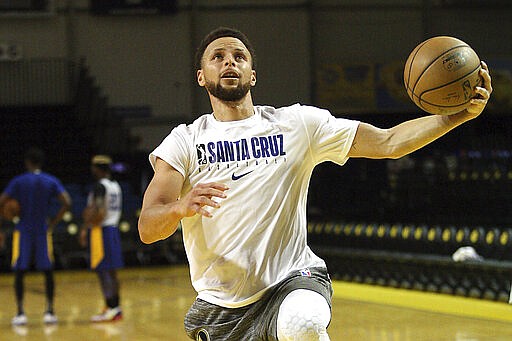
(238, 179)
(100, 231)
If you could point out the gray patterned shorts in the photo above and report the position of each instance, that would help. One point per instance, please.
(257, 321)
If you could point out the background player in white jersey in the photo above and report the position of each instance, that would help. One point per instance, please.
(101, 220)
(237, 179)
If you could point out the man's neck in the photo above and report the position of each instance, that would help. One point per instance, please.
(35, 170)
(232, 111)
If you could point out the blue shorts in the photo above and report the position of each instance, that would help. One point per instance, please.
(108, 253)
(28, 247)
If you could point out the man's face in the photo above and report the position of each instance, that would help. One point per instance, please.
(94, 171)
(226, 70)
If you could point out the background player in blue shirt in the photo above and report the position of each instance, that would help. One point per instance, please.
(34, 190)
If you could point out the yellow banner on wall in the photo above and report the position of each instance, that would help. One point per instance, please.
(379, 88)
(346, 88)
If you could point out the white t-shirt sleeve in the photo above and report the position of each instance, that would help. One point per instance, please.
(173, 150)
(330, 138)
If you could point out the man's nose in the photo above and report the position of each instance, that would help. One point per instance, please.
(229, 61)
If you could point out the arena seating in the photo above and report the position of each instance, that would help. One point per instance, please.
(417, 256)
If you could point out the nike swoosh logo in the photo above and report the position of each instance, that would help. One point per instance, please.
(235, 177)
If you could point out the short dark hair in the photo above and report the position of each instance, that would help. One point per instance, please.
(222, 32)
(35, 156)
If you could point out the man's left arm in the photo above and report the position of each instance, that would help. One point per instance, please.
(404, 138)
(65, 204)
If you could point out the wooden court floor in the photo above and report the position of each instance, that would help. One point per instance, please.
(156, 299)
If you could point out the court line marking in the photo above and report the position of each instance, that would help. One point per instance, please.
(432, 302)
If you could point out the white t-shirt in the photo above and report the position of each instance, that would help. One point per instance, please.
(259, 234)
(113, 201)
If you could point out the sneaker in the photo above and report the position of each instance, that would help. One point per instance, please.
(19, 320)
(108, 315)
(49, 318)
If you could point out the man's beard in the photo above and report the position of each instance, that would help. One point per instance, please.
(228, 95)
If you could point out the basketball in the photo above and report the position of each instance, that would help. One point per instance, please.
(10, 209)
(90, 216)
(440, 75)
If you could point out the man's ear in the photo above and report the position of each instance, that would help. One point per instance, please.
(200, 77)
(253, 78)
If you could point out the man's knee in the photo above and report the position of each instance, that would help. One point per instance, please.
(303, 316)
(301, 327)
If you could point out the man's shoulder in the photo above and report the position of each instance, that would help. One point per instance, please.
(289, 112)
(99, 187)
(271, 111)
(296, 108)
(49, 177)
(270, 108)
(188, 127)
(19, 177)
(108, 182)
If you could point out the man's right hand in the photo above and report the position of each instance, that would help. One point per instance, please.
(202, 195)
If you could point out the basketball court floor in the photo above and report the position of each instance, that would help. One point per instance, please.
(156, 299)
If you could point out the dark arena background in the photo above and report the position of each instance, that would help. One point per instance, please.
(84, 77)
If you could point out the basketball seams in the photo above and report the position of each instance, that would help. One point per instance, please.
(417, 49)
(431, 63)
(421, 101)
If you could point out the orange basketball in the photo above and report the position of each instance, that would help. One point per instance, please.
(441, 74)
(91, 216)
(10, 209)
